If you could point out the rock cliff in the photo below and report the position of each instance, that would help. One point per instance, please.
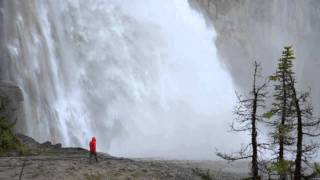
(251, 30)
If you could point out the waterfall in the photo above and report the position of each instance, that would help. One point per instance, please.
(142, 76)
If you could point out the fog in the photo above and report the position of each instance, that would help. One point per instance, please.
(148, 78)
(196, 91)
(258, 30)
(143, 77)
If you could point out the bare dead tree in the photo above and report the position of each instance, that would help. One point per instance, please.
(247, 113)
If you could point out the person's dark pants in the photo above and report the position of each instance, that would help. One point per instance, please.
(93, 154)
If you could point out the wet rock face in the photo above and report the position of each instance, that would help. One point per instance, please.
(251, 30)
(12, 99)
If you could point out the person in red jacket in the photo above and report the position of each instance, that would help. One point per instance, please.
(93, 152)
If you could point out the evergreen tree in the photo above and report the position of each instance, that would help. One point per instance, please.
(296, 117)
(306, 124)
(282, 109)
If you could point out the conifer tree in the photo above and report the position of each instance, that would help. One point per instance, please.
(306, 124)
(298, 112)
(282, 110)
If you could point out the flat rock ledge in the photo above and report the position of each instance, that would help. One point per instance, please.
(51, 161)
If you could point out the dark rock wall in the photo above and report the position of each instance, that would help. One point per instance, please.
(12, 97)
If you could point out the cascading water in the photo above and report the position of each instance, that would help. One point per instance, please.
(142, 76)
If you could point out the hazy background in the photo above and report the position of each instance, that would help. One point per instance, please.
(251, 30)
(142, 76)
(148, 78)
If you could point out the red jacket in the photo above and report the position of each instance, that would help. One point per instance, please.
(92, 145)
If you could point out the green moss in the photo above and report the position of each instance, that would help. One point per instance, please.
(8, 140)
(10, 143)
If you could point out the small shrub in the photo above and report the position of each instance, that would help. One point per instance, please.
(207, 175)
(317, 169)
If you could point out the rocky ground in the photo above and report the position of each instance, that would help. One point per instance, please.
(47, 161)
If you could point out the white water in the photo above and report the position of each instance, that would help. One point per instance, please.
(140, 75)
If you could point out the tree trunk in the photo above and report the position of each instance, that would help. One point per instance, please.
(282, 125)
(255, 170)
(254, 163)
(297, 171)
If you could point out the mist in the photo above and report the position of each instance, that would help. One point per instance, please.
(144, 77)
(257, 30)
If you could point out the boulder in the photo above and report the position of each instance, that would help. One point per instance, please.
(12, 98)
